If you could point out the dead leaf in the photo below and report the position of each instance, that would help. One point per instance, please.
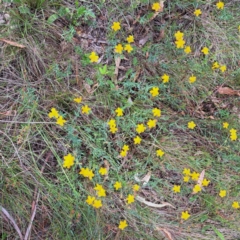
(90, 89)
(154, 205)
(161, 35)
(145, 179)
(144, 40)
(107, 166)
(201, 177)
(228, 91)
(167, 233)
(87, 87)
(12, 43)
(138, 72)
(117, 64)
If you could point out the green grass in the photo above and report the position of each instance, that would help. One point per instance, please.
(54, 67)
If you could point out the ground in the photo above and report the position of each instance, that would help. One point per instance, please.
(165, 165)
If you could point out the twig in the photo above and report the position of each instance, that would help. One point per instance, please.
(6, 121)
(35, 201)
(34, 209)
(6, 213)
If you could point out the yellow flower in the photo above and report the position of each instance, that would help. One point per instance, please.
(197, 12)
(222, 193)
(225, 124)
(191, 125)
(220, 5)
(215, 65)
(119, 112)
(116, 26)
(101, 193)
(176, 188)
(154, 91)
(113, 129)
(125, 148)
(78, 99)
(83, 172)
(185, 215)
(54, 113)
(235, 205)
(103, 171)
(187, 171)
(160, 153)
(156, 6)
(130, 199)
(117, 185)
(100, 190)
(186, 178)
(197, 188)
(89, 174)
(205, 51)
(233, 137)
(180, 43)
(233, 134)
(187, 49)
(233, 131)
(130, 39)
(123, 153)
(179, 35)
(60, 121)
(118, 48)
(165, 78)
(68, 160)
(156, 112)
(136, 187)
(128, 48)
(122, 224)
(112, 125)
(137, 140)
(90, 200)
(86, 109)
(93, 57)
(152, 123)
(86, 172)
(112, 122)
(195, 176)
(140, 128)
(97, 203)
(223, 68)
(205, 182)
(192, 79)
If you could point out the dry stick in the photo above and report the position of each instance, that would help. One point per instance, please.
(34, 210)
(35, 202)
(6, 121)
(6, 213)
(16, 150)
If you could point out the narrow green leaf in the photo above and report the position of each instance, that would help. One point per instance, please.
(220, 235)
(52, 18)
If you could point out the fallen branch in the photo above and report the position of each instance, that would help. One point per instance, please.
(6, 213)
